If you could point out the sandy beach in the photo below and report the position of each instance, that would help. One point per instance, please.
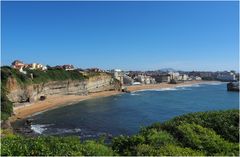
(53, 102)
(62, 100)
(161, 85)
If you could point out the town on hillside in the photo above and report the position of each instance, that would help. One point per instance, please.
(139, 77)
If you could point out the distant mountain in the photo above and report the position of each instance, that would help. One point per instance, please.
(167, 69)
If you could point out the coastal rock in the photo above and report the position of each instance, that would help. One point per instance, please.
(233, 86)
(28, 122)
(33, 92)
(6, 124)
(101, 83)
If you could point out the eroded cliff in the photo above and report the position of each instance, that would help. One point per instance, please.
(32, 92)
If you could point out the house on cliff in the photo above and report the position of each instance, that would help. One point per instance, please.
(34, 66)
(68, 67)
(17, 64)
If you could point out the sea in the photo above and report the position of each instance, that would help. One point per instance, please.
(126, 114)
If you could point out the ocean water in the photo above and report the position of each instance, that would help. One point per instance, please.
(127, 113)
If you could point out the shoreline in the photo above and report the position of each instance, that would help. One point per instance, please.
(53, 102)
(165, 85)
(56, 101)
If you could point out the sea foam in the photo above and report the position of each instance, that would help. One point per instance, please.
(59, 131)
(161, 89)
(214, 83)
(39, 128)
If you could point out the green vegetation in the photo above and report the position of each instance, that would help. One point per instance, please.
(51, 146)
(195, 134)
(39, 76)
(224, 123)
(54, 75)
(6, 106)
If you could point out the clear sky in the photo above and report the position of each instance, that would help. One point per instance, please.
(126, 35)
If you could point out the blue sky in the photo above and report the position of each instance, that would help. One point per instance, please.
(126, 35)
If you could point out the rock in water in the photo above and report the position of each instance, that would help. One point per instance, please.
(233, 86)
(28, 122)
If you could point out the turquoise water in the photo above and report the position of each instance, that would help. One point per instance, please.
(127, 113)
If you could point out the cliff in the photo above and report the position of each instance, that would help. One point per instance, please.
(18, 93)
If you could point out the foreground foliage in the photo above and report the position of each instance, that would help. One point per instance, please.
(52, 146)
(195, 134)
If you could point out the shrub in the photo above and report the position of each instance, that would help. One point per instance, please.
(126, 145)
(146, 150)
(200, 138)
(92, 148)
(173, 150)
(187, 139)
(158, 138)
(51, 146)
(6, 105)
(224, 123)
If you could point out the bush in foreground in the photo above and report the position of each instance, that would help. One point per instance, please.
(177, 137)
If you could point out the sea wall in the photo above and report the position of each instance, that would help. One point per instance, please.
(30, 93)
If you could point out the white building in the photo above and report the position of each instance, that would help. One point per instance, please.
(195, 78)
(68, 67)
(198, 78)
(140, 78)
(34, 66)
(183, 77)
(145, 79)
(118, 74)
(174, 75)
(127, 80)
(226, 76)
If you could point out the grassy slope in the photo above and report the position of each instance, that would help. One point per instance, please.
(188, 135)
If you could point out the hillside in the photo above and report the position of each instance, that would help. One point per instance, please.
(196, 134)
(20, 88)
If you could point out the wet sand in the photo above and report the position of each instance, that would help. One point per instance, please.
(62, 100)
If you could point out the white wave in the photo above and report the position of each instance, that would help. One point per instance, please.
(161, 89)
(134, 93)
(196, 85)
(189, 85)
(65, 131)
(166, 89)
(38, 128)
(184, 88)
(213, 83)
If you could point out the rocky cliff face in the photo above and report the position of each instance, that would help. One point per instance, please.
(32, 93)
(101, 83)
